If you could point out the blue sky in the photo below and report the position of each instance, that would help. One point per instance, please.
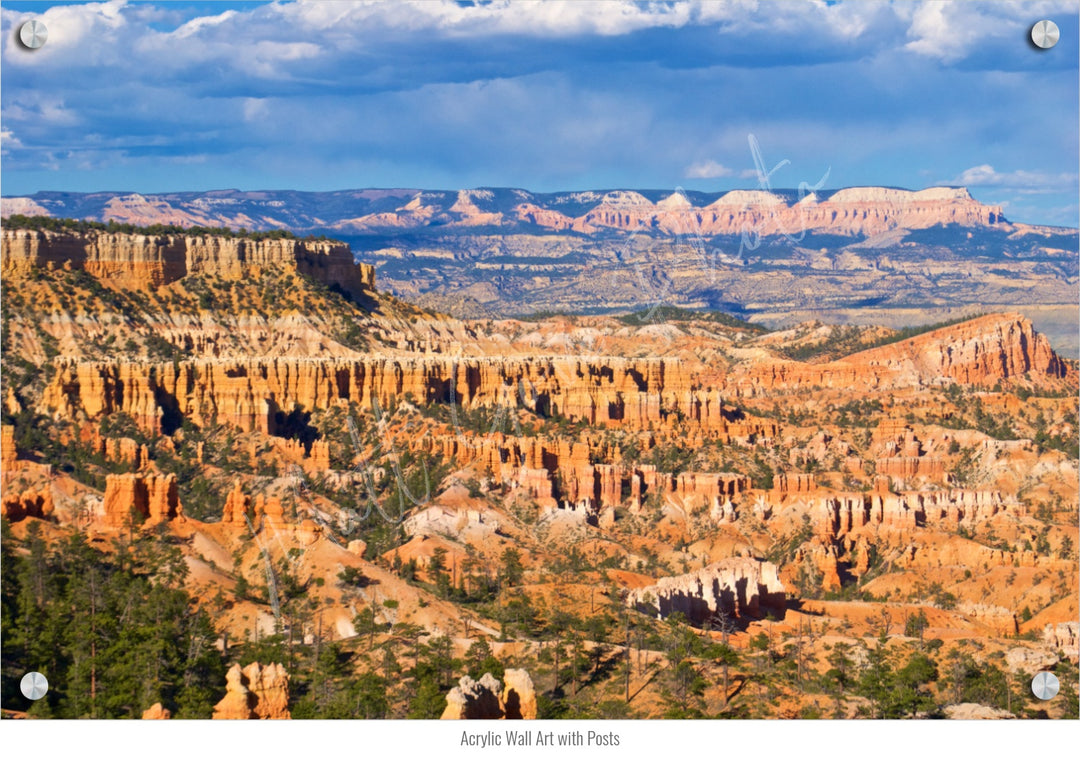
(154, 97)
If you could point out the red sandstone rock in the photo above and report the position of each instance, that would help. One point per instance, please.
(256, 692)
(151, 497)
(16, 506)
(617, 392)
(846, 512)
(825, 559)
(237, 506)
(8, 453)
(269, 511)
(981, 351)
(794, 483)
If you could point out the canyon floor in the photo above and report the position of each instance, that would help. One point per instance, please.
(668, 513)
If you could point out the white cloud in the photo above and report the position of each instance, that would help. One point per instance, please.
(708, 169)
(78, 34)
(8, 141)
(979, 176)
(845, 20)
(949, 30)
(195, 25)
(1028, 182)
(38, 109)
(542, 18)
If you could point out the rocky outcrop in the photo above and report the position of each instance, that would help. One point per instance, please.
(157, 711)
(269, 512)
(138, 261)
(971, 711)
(253, 394)
(1029, 661)
(824, 559)
(907, 468)
(237, 509)
(257, 692)
(138, 498)
(474, 700)
(316, 457)
(518, 696)
(123, 450)
(740, 588)
(559, 473)
(999, 620)
(844, 512)
(126, 451)
(8, 453)
(1064, 638)
(982, 351)
(793, 483)
(903, 457)
(488, 699)
(16, 506)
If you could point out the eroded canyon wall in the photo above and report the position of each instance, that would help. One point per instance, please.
(981, 351)
(249, 394)
(140, 261)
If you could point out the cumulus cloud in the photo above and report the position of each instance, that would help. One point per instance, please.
(546, 18)
(1025, 181)
(949, 30)
(8, 141)
(78, 35)
(707, 169)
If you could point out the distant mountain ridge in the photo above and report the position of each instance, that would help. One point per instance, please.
(850, 212)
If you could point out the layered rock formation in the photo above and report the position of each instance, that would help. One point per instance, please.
(138, 261)
(249, 394)
(794, 483)
(558, 472)
(739, 588)
(257, 692)
(488, 699)
(982, 351)
(137, 498)
(1000, 620)
(903, 457)
(844, 512)
(856, 210)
